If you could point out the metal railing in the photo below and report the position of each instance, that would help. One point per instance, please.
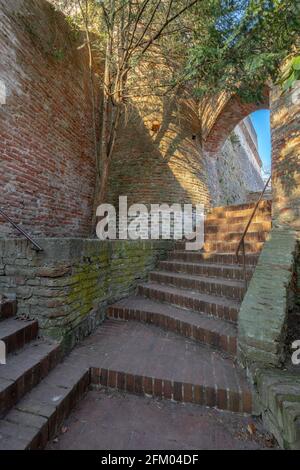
(36, 246)
(241, 244)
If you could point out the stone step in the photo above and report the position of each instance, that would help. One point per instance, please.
(8, 308)
(37, 417)
(16, 333)
(211, 305)
(214, 332)
(240, 210)
(279, 400)
(219, 287)
(24, 370)
(144, 359)
(206, 269)
(215, 258)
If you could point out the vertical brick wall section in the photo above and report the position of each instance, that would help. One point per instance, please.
(47, 168)
(285, 123)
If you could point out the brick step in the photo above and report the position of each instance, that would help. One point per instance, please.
(225, 227)
(146, 360)
(8, 308)
(215, 258)
(16, 333)
(219, 287)
(207, 304)
(38, 416)
(206, 269)
(230, 240)
(244, 210)
(225, 247)
(24, 370)
(251, 237)
(230, 247)
(214, 332)
(237, 221)
(126, 356)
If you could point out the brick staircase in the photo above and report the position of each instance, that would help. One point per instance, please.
(175, 339)
(197, 297)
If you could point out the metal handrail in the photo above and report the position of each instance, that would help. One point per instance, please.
(242, 241)
(36, 246)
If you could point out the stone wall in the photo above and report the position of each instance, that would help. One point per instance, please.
(271, 294)
(68, 286)
(268, 302)
(234, 171)
(47, 148)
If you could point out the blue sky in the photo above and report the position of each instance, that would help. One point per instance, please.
(261, 122)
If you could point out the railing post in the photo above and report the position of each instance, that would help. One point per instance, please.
(244, 264)
(242, 241)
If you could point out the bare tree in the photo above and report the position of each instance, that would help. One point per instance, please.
(132, 27)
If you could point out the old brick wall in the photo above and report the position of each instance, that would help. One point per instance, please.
(68, 286)
(47, 158)
(47, 168)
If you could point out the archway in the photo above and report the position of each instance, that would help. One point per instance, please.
(230, 147)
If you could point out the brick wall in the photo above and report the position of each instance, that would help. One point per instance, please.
(285, 123)
(46, 146)
(47, 170)
(68, 286)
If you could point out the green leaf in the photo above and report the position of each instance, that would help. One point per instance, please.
(296, 63)
(289, 82)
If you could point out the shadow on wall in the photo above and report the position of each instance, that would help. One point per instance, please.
(158, 157)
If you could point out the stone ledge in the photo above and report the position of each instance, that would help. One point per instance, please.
(68, 286)
(262, 318)
(278, 400)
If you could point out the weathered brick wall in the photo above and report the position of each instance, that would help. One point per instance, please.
(68, 286)
(285, 123)
(47, 170)
(46, 146)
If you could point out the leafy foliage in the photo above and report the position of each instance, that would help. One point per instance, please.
(238, 45)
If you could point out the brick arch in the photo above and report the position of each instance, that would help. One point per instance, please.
(221, 115)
